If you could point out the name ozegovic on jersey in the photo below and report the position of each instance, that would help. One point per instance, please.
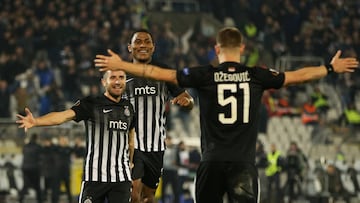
(231, 77)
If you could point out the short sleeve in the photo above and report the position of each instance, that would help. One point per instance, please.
(195, 76)
(269, 78)
(82, 109)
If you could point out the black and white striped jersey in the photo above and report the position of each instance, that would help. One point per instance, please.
(149, 99)
(107, 126)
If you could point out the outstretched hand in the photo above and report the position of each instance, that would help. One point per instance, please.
(27, 121)
(107, 62)
(342, 65)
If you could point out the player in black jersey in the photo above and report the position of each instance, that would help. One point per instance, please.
(229, 99)
(149, 99)
(110, 125)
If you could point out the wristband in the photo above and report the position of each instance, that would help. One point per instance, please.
(329, 68)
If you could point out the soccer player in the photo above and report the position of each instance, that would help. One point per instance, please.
(229, 98)
(149, 98)
(109, 124)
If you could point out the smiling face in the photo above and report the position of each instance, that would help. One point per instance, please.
(114, 83)
(141, 47)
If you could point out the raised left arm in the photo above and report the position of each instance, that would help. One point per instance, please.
(337, 65)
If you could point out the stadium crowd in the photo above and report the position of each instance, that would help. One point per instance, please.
(47, 47)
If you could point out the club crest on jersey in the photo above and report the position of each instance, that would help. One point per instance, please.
(77, 103)
(88, 200)
(274, 72)
(126, 111)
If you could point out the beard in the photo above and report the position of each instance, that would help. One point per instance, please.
(115, 95)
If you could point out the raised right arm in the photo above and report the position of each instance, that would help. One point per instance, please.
(54, 118)
(114, 62)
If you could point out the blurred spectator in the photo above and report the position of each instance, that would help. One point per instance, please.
(89, 79)
(5, 99)
(252, 54)
(320, 177)
(350, 88)
(170, 174)
(12, 63)
(296, 164)
(46, 82)
(261, 163)
(339, 154)
(183, 115)
(309, 114)
(350, 117)
(335, 185)
(31, 168)
(269, 102)
(261, 159)
(10, 168)
(50, 170)
(320, 101)
(353, 173)
(79, 150)
(64, 156)
(70, 77)
(277, 103)
(182, 162)
(272, 172)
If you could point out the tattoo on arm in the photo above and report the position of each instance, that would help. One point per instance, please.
(143, 71)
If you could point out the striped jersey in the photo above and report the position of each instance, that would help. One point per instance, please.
(149, 99)
(229, 99)
(107, 126)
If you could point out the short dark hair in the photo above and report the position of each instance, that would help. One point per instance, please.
(229, 37)
(34, 137)
(140, 30)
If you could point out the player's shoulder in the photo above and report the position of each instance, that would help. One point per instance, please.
(125, 101)
(198, 68)
(93, 98)
(87, 100)
(263, 69)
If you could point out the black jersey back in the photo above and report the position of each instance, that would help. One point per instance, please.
(229, 98)
(107, 125)
(149, 98)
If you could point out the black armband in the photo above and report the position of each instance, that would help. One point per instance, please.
(329, 68)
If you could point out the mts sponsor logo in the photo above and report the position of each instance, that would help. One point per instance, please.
(145, 90)
(118, 125)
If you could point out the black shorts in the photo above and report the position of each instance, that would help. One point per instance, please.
(215, 179)
(97, 192)
(148, 166)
